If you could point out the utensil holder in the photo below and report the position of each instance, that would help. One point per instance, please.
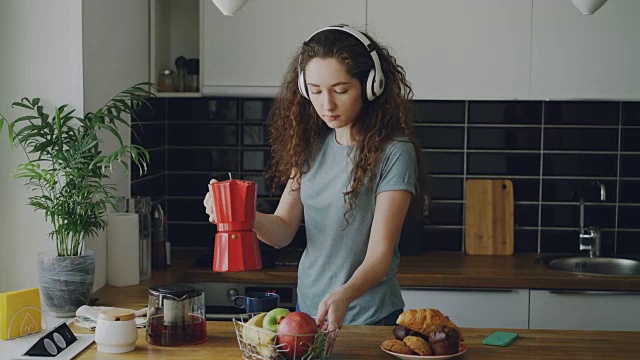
(140, 205)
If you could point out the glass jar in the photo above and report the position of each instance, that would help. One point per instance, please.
(166, 79)
(176, 315)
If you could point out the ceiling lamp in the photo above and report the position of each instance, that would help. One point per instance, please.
(229, 7)
(588, 7)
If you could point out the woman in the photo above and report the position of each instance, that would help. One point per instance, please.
(344, 147)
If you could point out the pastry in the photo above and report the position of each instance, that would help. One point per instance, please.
(400, 332)
(425, 321)
(444, 341)
(418, 345)
(397, 346)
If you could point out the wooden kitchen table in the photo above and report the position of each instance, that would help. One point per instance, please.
(363, 342)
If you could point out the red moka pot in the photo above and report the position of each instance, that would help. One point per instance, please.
(236, 244)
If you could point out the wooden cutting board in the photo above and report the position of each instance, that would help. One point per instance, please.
(488, 223)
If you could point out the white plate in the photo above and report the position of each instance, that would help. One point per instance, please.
(463, 349)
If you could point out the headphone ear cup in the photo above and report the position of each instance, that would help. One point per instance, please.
(302, 85)
(370, 92)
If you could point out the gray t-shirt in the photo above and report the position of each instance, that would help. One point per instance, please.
(334, 250)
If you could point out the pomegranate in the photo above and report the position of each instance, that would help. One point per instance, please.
(296, 333)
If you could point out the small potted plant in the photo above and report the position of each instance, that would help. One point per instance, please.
(68, 174)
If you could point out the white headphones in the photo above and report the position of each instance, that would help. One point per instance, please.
(375, 80)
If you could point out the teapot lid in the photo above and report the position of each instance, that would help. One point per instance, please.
(176, 290)
(117, 314)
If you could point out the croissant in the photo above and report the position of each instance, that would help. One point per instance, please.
(425, 321)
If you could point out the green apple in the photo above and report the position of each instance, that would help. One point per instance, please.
(273, 317)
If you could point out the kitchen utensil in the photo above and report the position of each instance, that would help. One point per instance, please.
(489, 217)
(257, 302)
(116, 331)
(193, 75)
(181, 73)
(176, 315)
(158, 240)
(142, 206)
(236, 244)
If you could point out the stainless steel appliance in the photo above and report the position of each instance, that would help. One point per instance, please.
(218, 297)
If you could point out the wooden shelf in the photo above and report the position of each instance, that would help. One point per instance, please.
(178, 94)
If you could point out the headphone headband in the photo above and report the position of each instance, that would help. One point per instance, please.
(375, 80)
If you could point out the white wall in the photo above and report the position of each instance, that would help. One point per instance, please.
(63, 51)
(116, 56)
(40, 56)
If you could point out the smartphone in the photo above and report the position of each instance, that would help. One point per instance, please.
(500, 338)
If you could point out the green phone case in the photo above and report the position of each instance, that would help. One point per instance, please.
(500, 338)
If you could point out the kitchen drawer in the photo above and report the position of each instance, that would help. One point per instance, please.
(480, 308)
(585, 310)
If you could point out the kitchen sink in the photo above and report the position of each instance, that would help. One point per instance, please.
(594, 265)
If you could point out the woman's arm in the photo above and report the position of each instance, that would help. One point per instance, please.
(391, 209)
(279, 228)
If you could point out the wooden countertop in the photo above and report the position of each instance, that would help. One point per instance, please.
(363, 342)
(452, 269)
(431, 270)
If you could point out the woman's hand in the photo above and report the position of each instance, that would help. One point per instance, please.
(208, 204)
(334, 307)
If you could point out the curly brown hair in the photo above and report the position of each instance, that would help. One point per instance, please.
(295, 128)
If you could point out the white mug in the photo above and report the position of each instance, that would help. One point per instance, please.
(116, 331)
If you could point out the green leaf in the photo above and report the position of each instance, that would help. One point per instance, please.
(19, 104)
(66, 171)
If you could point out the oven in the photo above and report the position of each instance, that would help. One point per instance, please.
(218, 297)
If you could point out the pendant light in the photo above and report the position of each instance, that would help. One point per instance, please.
(229, 7)
(588, 7)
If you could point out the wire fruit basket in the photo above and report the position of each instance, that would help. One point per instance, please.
(257, 343)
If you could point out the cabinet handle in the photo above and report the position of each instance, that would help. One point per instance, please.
(489, 290)
(592, 292)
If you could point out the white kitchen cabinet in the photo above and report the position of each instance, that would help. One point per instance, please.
(248, 54)
(479, 308)
(577, 56)
(585, 310)
(458, 49)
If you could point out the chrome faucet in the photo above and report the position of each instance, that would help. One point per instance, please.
(590, 237)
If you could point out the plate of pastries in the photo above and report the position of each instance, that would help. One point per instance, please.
(424, 334)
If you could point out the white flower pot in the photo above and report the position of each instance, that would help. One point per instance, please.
(66, 282)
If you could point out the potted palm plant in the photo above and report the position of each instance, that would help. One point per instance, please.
(68, 174)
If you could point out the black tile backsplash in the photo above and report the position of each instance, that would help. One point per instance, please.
(500, 138)
(445, 163)
(501, 112)
(587, 165)
(441, 137)
(629, 141)
(630, 114)
(202, 159)
(201, 134)
(445, 112)
(554, 152)
(581, 139)
(503, 163)
(582, 113)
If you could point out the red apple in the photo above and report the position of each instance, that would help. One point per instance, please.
(296, 331)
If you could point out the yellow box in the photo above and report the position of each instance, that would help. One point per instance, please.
(20, 313)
